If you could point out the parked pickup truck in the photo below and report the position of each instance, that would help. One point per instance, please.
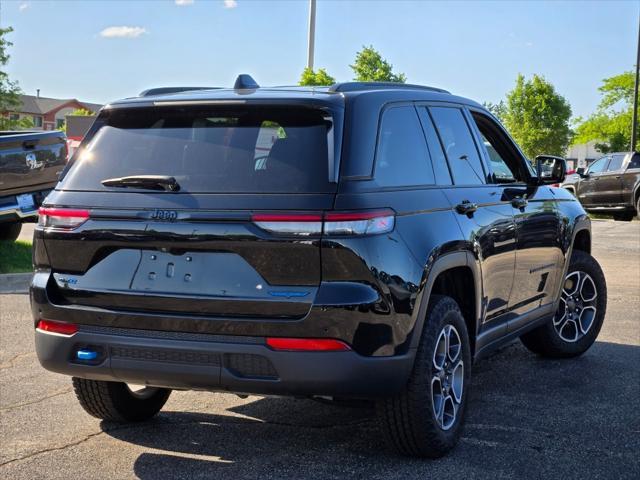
(611, 185)
(30, 163)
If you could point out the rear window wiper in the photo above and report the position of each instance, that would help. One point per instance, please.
(147, 182)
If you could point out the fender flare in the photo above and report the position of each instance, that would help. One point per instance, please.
(582, 223)
(461, 258)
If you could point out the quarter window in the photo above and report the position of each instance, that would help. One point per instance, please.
(402, 157)
(458, 145)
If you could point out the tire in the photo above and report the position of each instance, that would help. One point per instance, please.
(10, 231)
(570, 333)
(115, 402)
(638, 207)
(623, 217)
(409, 420)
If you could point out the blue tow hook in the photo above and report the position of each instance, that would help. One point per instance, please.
(86, 355)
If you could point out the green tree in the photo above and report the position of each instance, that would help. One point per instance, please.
(369, 66)
(319, 78)
(537, 117)
(9, 90)
(610, 124)
(497, 109)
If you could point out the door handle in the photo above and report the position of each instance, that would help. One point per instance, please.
(466, 207)
(519, 202)
(618, 176)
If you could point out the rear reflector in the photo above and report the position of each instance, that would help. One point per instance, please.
(331, 223)
(307, 344)
(62, 218)
(61, 328)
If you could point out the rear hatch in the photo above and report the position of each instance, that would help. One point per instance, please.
(30, 160)
(189, 209)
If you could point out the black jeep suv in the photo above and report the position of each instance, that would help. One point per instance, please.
(352, 241)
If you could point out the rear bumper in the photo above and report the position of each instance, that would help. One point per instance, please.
(10, 210)
(219, 363)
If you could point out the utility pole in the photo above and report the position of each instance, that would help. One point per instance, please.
(312, 33)
(634, 120)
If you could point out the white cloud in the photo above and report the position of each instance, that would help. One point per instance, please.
(23, 6)
(528, 44)
(230, 3)
(123, 32)
(182, 3)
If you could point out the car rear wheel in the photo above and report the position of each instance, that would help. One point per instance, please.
(623, 217)
(119, 402)
(10, 231)
(578, 320)
(425, 420)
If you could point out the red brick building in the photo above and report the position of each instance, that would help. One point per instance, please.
(49, 113)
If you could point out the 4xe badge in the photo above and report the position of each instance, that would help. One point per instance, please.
(164, 215)
(32, 161)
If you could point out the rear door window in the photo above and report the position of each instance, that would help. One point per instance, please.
(616, 163)
(402, 158)
(459, 146)
(249, 149)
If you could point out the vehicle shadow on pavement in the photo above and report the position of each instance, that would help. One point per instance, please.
(527, 418)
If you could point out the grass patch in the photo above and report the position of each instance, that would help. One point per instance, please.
(15, 257)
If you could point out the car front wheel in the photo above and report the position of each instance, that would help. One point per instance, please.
(578, 320)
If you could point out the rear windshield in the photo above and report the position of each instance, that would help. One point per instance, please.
(210, 149)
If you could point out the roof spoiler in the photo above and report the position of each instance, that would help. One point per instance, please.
(168, 90)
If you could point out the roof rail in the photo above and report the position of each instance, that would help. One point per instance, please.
(360, 86)
(166, 90)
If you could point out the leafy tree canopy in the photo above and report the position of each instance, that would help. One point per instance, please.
(9, 90)
(537, 117)
(497, 109)
(319, 78)
(369, 66)
(610, 125)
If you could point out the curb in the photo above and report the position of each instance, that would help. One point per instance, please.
(15, 282)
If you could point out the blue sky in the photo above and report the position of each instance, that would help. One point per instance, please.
(475, 49)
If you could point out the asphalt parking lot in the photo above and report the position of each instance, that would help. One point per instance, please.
(527, 418)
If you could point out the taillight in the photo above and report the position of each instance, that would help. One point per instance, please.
(61, 328)
(307, 344)
(331, 223)
(359, 223)
(62, 218)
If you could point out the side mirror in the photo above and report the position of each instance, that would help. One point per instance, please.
(550, 169)
(582, 172)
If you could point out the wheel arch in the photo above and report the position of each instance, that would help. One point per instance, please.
(456, 275)
(582, 240)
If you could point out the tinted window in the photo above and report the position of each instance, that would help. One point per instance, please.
(210, 149)
(615, 163)
(402, 157)
(459, 146)
(599, 165)
(439, 161)
(635, 161)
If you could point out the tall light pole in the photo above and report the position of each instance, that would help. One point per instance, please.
(634, 120)
(312, 33)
